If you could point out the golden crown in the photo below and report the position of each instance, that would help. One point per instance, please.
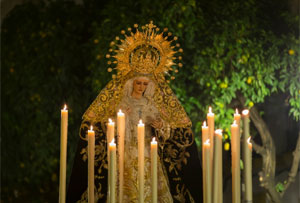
(145, 50)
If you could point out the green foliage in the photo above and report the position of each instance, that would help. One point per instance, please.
(45, 55)
(54, 53)
(241, 164)
(279, 187)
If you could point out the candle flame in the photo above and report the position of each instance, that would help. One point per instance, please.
(234, 122)
(120, 111)
(209, 109)
(110, 121)
(204, 124)
(91, 128)
(153, 139)
(207, 142)
(219, 131)
(112, 141)
(141, 122)
(236, 111)
(245, 112)
(65, 107)
(249, 140)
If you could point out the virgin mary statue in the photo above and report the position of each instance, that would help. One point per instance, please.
(142, 58)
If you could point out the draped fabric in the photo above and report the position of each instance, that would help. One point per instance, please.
(181, 163)
(179, 170)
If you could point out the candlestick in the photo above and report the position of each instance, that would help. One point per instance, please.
(63, 154)
(113, 170)
(235, 154)
(207, 171)
(91, 164)
(247, 157)
(154, 170)
(141, 146)
(217, 168)
(121, 133)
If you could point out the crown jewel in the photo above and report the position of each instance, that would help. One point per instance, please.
(145, 51)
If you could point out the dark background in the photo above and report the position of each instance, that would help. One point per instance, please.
(53, 52)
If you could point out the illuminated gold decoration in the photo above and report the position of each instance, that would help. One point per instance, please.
(143, 52)
(147, 51)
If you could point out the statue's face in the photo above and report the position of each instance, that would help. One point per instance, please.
(139, 86)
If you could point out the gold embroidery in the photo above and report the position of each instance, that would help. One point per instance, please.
(150, 54)
(143, 53)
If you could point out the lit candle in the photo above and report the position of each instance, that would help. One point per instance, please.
(207, 171)
(237, 117)
(113, 170)
(141, 146)
(91, 164)
(109, 136)
(217, 168)
(63, 154)
(110, 130)
(205, 137)
(248, 168)
(235, 156)
(211, 132)
(247, 157)
(121, 134)
(205, 134)
(154, 170)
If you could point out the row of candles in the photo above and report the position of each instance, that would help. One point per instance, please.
(112, 160)
(212, 159)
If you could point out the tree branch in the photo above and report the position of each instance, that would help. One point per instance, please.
(267, 175)
(259, 149)
(294, 168)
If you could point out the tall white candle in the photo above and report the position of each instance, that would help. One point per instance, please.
(237, 117)
(235, 154)
(207, 170)
(63, 154)
(91, 165)
(247, 157)
(110, 130)
(141, 146)
(248, 169)
(211, 131)
(205, 137)
(113, 170)
(109, 136)
(154, 170)
(121, 134)
(205, 133)
(217, 168)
